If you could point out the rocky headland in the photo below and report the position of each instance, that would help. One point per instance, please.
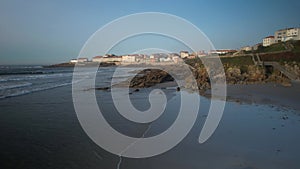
(235, 74)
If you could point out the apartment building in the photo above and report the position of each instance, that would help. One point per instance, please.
(283, 35)
(267, 41)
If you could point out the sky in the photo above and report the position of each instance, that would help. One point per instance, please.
(54, 31)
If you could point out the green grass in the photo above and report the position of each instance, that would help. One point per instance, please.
(296, 45)
(231, 61)
(238, 61)
(273, 48)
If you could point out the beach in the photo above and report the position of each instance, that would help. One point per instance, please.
(41, 130)
(150, 85)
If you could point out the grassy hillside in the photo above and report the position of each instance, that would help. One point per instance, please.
(281, 57)
(237, 61)
(270, 53)
(288, 56)
(296, 47)
(231, 61)
(273, 48)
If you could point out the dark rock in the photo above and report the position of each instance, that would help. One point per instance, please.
(107, 64)
(150, 77)
(285, 117)
(102, 88)
(61, 65)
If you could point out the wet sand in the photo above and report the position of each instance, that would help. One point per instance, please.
(41, 130)
(267, 94)
(270, 94)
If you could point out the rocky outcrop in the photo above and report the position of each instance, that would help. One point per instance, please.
(68, 64)
(245, 74)
(292, 67)
(202, 79)
(253, 74)
(249, 74)
(150, 77)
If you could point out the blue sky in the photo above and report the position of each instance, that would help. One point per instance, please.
(46, 32)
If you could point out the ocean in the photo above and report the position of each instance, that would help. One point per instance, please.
(20, 80)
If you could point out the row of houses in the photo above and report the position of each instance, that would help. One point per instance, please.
(282, 35)
(153, 58)
(132, 59)
(186, 54)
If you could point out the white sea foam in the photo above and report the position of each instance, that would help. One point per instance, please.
(34, 77)
(27, 91)
(12, 86)
(23, 91)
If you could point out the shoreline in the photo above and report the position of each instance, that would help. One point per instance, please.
(271, 94)
(265, 92)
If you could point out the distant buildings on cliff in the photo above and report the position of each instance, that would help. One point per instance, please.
(163, 58)
(138, 58)
(282, 35)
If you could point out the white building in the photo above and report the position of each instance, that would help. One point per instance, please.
(82, 60)
(107, 59)
(280, 35)
(283, 35)
(293, 34)
(184, 54)
(128, 58)
(165, 59)
(73, 61)
(267, 41)
(246, 48)
(97, 59)
(222, 51)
